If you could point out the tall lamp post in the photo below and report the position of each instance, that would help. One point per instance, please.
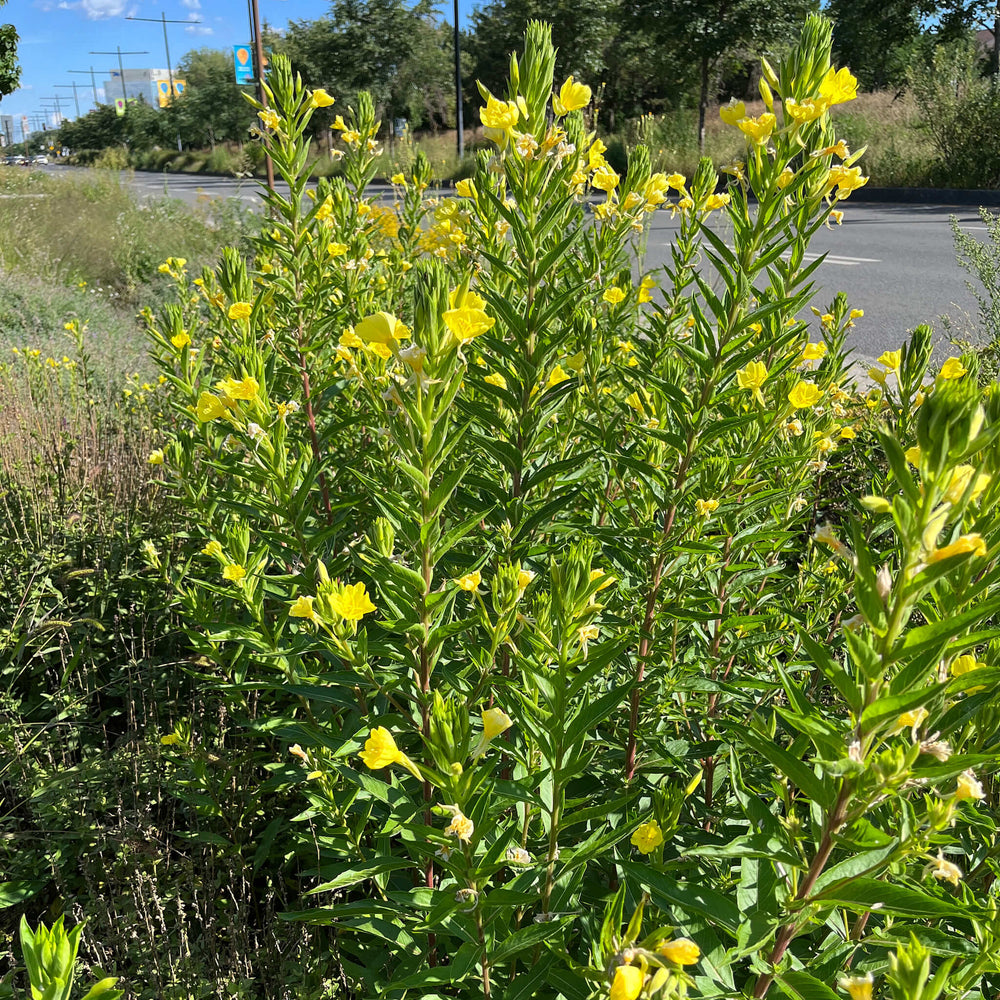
(458, 90)
(93, 79)
(66, 86)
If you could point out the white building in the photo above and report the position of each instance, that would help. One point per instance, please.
(6, 130)
(139, 84)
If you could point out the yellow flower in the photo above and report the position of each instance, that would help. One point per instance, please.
(303, 608)
(838, 86)
(705, 508)
(677, 181)
(352, 602)
(557, 376)
(627, 984)
(969, 787)
(209, 407)
(911, 719)
(613, 295)
(647, 837)
(320, 99)
(605, 179)
(351, 137)
(350, 339)
(460, 826)
(805, 112)
(953, 368)
(959, 482)
(495, 722)
(973, 543)
(156, 457)
(213, 548)
(572, 97)
(465, 189)
(336, 249)
(758, 129)
(245, 389)
(468, 321)
(682, 951)
(891, 360)
(814, 352)
(577, 362)
(912, 455)
(945, 870)
(180, 340)
(588, 632)
(524, 578)
(804, 395)
(381, 328)
(240, 310)
(845, 179)
(848, 433)
(715, 201)
(470, 581)
(733, 112)
(499, 114)
(338, 123)
(381, 751)
(269, 118)
(966, 664)
(495, 378)
(752, 377)
(234, 572)
(858, 987)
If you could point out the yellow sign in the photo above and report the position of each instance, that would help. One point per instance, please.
(163, 94)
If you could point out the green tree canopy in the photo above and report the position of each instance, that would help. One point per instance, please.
(10, 69)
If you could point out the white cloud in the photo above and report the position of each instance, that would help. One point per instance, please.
(100, 10)
(191, 4)
(198, 27)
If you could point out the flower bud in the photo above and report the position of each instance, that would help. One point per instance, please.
(950, 418)
(883, 583)
(383, 537)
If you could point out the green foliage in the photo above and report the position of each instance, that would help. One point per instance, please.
(50, 956)
(10, 70)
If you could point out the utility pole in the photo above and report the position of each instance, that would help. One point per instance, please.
(121, 67)
(93, 80)
(66, 86)
(166, 45)
(58, 108)
(261, 95)
(458, 90)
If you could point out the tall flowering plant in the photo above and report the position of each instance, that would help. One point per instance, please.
(530, 556)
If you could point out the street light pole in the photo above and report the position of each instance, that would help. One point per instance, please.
(458, 90)
(261, 94)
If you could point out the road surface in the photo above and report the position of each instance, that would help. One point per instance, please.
(896, 262)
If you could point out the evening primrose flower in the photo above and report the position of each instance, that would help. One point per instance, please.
(647, 837)
(180, 340)
(245, 388)
(572, 97)
(233, 572)
(468, 320)
(524, 578)
(858, 987)
(753, 377)
(734, 112)
(240, 310)
(944, 870)
(495, 722)
(156, 457)
(838, 86)
(303, 608)
(209, 407)
(471, 581)
(499, 114)
(805, 112)
(705, 508)
(557, 377)
(337, 249)
(804, 395)
(891, 360)
(911, 720)
(381, 328)
(969, 787)
(953, 368)
(605, 179)
(716, 201)
(814, 352)
(682, 951)
(320, 99)
(352, 602)
(613, 296)
(959, 483)
(495, 378)
(460, 826)
(381, 751)
(465, 188)
(758, 129)
(971, 543)
(627, 983)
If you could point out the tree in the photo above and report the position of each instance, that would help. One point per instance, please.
(10, 69)
(878, 39)
(373, 45)
(212, 108)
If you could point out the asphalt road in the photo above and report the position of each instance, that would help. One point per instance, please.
(895, 261)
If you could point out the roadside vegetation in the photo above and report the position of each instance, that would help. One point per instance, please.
(431, 602)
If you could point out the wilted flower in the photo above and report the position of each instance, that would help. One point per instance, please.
(945, 870)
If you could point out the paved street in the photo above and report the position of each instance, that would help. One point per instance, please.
(896, 262)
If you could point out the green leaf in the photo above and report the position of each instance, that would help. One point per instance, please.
(527, 937)
(891, 897)
(667, 893)
(798, 773)
(801, 986)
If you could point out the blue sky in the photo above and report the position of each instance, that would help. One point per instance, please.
(58, 35)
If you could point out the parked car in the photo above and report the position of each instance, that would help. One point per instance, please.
(40, 159)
